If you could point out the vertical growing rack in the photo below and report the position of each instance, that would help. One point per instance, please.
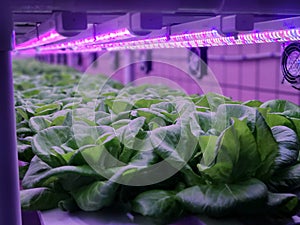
(44, 27)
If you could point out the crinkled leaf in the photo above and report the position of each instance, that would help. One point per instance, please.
(47, 109)
(285, 180)
(150, 115)
(47, 144)
(157, 203)
(222, 199)
(95, 195)
(237, 156)
(280, 106)
(127, 134)
(25, 152)
(64, 118)
(284, 203)
(227, 111)
(40, 199)
(40, 174)
(36, 167)
(68, 205)
(85, 134)
(288, 145)
(208, 145)
(212, 101)
(118, 106)
(278, 120)
(168, 107)
(205, 120)
(174, 143)
(296, 123)
(39, 123)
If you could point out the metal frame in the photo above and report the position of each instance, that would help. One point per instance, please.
(9, 185)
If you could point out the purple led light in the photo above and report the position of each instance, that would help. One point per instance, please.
(113, 36)
(124, 34)
(34, 51)
(107, 37)
(199, 39)
(46, 38)
(217, 40)
(193, 36)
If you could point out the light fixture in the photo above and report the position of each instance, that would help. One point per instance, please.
(123, 36)
(99, 41)
(197, 39)
(58, 27)
(46, 38)
(106, 37)
(249, 38)
(120, 28)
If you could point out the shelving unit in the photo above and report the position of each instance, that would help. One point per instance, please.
(49, 27)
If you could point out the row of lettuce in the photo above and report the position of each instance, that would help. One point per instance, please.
(87, 144)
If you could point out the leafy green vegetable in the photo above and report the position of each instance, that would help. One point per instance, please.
(157, 203)
(282, 203)
(222, 199)
(288, 146)
(40, 198)
(95, 196)
(150, 149)
(286, 180)
(47, 145)
(236, 155)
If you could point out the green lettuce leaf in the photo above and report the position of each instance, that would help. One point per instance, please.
(157, 203)
(40, 198)
(223, 199)
(47, 145)
(95, 195)
(288, 146)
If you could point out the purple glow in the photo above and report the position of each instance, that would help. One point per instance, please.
(34, 51)
(194, 36)
(124, 34)
(107, 37)
(251, 38)
(46, 38)
(198, 39)
(113, 36)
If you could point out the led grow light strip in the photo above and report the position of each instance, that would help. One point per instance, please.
(107, 37)
(196, 35)
(198, 39)
(34, 51)
(46, 38)
(125, 34)
(251, 38)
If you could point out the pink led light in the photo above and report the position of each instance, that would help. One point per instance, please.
(125, 34)
(46, 38)
(107, 37)
(197, 35)
(33, 51)
(113, 36)
(217, 40)
(200, 39)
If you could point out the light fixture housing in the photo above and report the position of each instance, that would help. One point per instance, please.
(202, 33)
(58, 27)
(39, 40)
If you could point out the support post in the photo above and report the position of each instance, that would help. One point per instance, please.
(129, 67)
(10, 212)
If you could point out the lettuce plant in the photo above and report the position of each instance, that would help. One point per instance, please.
(152, 150)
